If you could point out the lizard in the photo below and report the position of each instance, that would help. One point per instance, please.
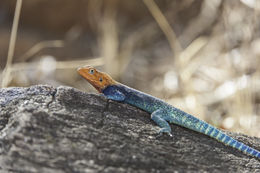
(161, 112)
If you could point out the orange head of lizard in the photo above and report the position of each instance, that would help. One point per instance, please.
(97, 79)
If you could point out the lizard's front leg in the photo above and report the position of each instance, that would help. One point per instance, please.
(114, 94)
(159, 117)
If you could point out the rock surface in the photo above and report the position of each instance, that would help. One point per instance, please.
(46, 129)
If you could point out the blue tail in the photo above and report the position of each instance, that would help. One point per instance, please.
(215, 133)
(195, 124)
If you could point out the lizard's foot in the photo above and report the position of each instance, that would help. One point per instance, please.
(102, 95)
(160, 117)
(165, 130)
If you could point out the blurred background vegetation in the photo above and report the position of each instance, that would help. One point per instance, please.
(198, 55)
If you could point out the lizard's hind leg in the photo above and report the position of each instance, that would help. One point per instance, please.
(160, 118)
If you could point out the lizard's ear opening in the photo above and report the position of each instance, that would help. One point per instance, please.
(100, 79)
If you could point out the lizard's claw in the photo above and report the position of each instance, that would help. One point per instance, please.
(163, 131)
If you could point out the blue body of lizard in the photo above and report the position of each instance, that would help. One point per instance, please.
(162, 113)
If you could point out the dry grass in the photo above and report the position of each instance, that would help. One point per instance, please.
(210, 69)
(7, 71)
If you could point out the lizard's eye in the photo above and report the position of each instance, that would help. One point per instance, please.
(100, 79)
(91, 71)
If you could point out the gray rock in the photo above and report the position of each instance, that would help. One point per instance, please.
(46, 129)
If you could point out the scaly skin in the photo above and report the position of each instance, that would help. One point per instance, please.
(161, 112)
